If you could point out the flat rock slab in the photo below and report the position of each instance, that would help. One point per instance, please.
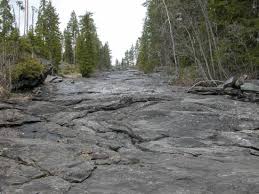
(250, 87)
(126, 132)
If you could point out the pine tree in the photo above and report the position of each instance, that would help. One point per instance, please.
(117, 63)
(68, 55)
(127, 59)
(106, 56)
(123, 63)
(73, 29)
(212, 38)
(143, 60)
(97, 50)
(137, 46)
(6, 20)
(73, 26)
(86, 52)
(28, 43)
(238, 30)
(132, 56)
(53, 38)
(136, 53)
(48, 37)
(41, 31)
(9, 34)
(8, 43)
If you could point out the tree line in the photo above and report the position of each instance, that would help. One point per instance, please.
(212, 39)
(78, 45)
(130, 58)
(83, 47)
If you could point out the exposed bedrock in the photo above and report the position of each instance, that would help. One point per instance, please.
(126, 132)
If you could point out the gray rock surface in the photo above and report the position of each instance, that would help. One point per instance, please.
(250, 87)
(125, 132)
(235, 82)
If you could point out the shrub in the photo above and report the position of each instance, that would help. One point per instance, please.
(86, 71)
(28, 69)
(68, 69)
(25, 45)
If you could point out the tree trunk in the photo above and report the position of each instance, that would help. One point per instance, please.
(172, 40)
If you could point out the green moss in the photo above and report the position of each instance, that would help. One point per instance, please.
(29, 69)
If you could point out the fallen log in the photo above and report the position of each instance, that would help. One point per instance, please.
(237, 86)
(207, 83)
(206, 90)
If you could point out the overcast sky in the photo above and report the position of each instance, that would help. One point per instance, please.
(118, 21)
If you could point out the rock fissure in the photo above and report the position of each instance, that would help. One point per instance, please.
(11, 125)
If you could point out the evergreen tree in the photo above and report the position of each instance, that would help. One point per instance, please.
(131, 56)
(73, 29)
(28, 43)
(86, 52)
(6, 19)
(106, 56)
(238, 30)
(68, 55)
(136, 53)
(117, 63)
(8, 31)
(143, 61)
(73, 26)
(9, 34)
(8, 43)
(97, 51)
(123, 63)
(53, 38)
(48, 37)
(41, 31)
(214, 38)
(127, 59)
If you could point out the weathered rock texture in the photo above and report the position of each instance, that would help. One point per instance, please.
(124, 132)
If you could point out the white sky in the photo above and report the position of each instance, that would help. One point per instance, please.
(118, 21)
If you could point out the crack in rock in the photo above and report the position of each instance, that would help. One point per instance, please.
(11, 125)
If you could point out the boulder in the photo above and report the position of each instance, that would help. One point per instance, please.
(24, 83)
(250, 87)
(235, 82)
(27, 83)
(229, 83)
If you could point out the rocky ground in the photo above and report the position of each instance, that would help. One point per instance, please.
(127, 133)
